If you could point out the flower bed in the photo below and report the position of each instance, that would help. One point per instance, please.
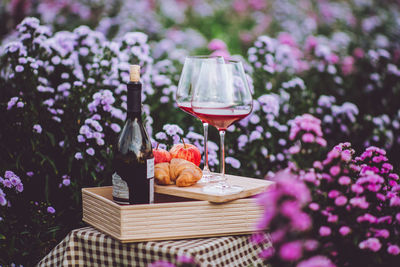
(321, 73)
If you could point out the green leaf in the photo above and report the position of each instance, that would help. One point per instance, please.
(51, 137)
(2, 237)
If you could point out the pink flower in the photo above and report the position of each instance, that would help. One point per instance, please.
(333, 194)
(346, 155)
(395, 201)
(317, 165)
(161, 263)
(311, 43)
(291, 251)
(221, 53)
(267, 253)
(324, 231)
(344, 230)
(294, 149)
(382, 233)
(309, 177)
(217, 44)
(301, 221)
(334, 170)
(321, 141)
(333, 58)
(290, 208)
(347, 65)
(308, 138)
(340, 201)
(357, 188)
(311, 245)
(398, 217)
(239, 6)
(358, 52)
(313, 206)
(367, 218)
(333, 218)
(257, 4)
(344, 180)
(393, 249)
(371, 243)
(316, 261)
(286, 38)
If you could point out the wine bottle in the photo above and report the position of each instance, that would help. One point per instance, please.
(133, 163)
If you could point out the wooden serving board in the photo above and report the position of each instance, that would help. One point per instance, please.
(250, 186)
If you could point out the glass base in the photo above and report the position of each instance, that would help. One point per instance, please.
(222, 189)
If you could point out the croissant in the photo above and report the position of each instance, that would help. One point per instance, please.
(161, 173)
(184, 173)
(180, 171)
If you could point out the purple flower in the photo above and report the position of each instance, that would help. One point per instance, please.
(324, 231)
(81, 138)
(90, 151)
(19, 68)
(78, 155)
(19, 187)
(233, 162)
(3, 200)
(7, 183)
(30, 174)
(37, 128)
(51, 210)
(115, 127)
(393, 249)
(66, 182)
(291, 251)
(15, 180)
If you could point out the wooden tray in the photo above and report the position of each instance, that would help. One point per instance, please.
(250, 186)
(170, 217)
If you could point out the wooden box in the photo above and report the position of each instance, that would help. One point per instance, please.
(171, 217)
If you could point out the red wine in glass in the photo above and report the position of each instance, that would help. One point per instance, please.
(221, 118)
(187, 107)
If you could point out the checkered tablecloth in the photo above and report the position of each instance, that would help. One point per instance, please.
(90, 247)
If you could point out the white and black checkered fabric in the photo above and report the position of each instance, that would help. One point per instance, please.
(90, 247)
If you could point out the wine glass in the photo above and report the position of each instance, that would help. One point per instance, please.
(187, 81)
(222, 97)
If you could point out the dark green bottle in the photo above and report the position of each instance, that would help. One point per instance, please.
(133, 163)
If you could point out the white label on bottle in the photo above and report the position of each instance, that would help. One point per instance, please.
(151, 190)
(120, 187)
(150, 168)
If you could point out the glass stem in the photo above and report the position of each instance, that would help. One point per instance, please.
(205, 128)
(222, 145)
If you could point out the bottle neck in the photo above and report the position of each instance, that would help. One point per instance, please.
(134, 101)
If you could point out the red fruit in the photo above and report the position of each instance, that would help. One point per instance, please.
(161, 155)
(186, 151)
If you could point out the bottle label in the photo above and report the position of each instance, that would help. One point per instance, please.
(120, 187)
(151, 184)
(150, 168)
